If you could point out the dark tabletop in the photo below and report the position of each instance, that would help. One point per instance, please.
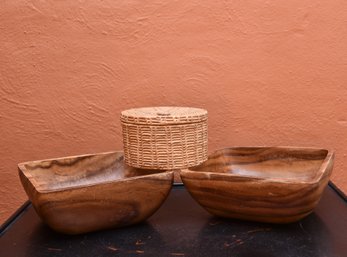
(182, 228)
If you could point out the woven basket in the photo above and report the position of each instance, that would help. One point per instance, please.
(164, 137)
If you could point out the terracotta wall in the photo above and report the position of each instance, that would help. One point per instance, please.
(269, 72)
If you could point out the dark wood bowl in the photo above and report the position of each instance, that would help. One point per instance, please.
(266, 184)
(85, 193)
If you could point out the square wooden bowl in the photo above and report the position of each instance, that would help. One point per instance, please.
(266, 184)
(85, 193)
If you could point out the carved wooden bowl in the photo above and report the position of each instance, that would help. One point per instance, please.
(92, 192)
(266, 184)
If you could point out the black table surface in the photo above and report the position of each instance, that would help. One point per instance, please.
(182, 228)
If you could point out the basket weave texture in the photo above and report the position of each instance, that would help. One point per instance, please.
(164, 137)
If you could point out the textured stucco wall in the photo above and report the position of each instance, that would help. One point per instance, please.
(269, 72)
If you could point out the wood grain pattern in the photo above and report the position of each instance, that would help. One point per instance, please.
(267, 184)
(91, 192)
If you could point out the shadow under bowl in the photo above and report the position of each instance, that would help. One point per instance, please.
(265, 184)
(85, 193)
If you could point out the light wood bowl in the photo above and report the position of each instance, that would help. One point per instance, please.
(86, 193)
(266, 184)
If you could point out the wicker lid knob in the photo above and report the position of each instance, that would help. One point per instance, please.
(164, 137)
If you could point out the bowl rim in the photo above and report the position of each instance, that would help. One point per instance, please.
(329, 159)
(23, 170)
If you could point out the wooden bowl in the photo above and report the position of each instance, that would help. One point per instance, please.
(85, 193)
(266, 184)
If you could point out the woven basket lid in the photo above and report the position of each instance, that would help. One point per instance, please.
(163, 115)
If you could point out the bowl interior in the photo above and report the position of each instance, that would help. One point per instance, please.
(62, 173)
(301, 164)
